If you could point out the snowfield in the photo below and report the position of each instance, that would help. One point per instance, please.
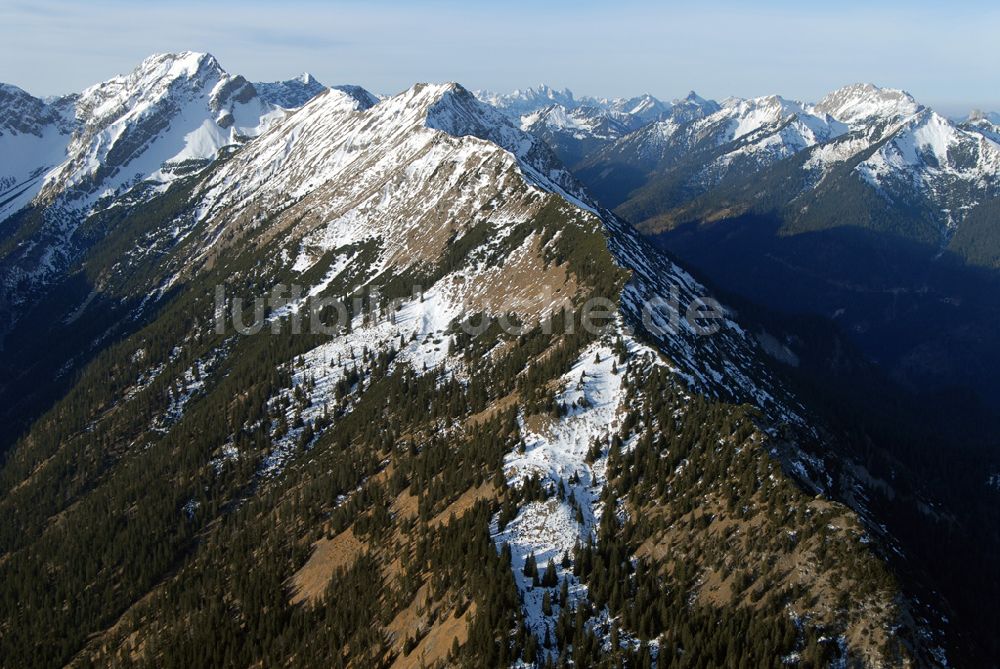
(557, 453)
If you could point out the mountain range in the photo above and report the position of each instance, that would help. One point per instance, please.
(301, 375)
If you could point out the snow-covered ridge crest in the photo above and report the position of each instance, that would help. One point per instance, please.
(401, 177)
(744, 117)
(458, 113)
(334, 138)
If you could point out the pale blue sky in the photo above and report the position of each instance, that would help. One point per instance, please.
(946, 54)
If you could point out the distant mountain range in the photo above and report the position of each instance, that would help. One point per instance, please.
(576, 128)
(902, 150)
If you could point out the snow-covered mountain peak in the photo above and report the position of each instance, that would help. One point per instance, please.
(692, 96)
(172, 109)
(176, 64)
(291, 93)
(544, 92)
(742, 118)
(21, 112)
(984, 123)
(450, 104)
(980, 115)
(528, 100)
(157, 78)
(427, 132)
(151, 78)
(934, 155)
(860, 103)
(642, 108)
(459, 113)
(775, 106)
(692, 107)
(932, 135)
(642, 104)
(363, 97)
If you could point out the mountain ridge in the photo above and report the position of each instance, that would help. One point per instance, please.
(644, 461)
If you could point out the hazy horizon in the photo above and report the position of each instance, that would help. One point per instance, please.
(944, 57)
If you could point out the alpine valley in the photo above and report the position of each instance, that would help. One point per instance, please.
(297, 376)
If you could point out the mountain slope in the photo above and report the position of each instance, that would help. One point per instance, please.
(298, 170)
